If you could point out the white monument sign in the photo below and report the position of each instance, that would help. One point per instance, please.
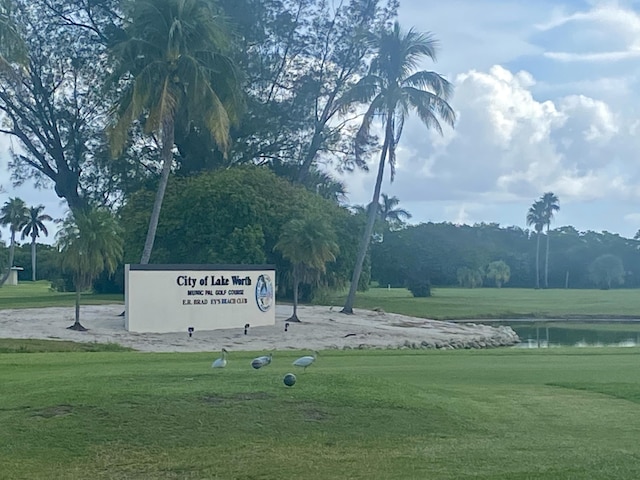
(176, 298)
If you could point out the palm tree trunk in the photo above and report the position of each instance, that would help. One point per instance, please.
(371, 220)
(538, 260)
(167, 160)
(546, 262)
(76, 324)
(33, 259)
(294, 317)
(12, 247)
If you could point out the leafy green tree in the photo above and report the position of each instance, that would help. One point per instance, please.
(52, 102)
(245, 245)
(12, 47)
(550, 202)
(90, 242)
(498, 272)
(469, 277)
(32, 227)
(14, 214)
(392, 89)
(536, 217)
(177, 53)
(300, 58)
(606, 271)
(204, 215)
(308, 243)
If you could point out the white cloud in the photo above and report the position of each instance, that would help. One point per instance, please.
(507, 149)
(604, 27)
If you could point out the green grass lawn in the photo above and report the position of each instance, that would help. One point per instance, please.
(40, 294)
(466, 303)
(401, 414)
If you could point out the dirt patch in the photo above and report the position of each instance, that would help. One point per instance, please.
(314, 415)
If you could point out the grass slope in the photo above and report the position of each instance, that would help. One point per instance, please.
(499, 414)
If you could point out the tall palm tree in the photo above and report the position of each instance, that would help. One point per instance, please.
(390, 214)
(13, 214)
(90, 242)
(551, 205)
(176, 54)
(392, 89)
(308, 244)
(32, 228)
(536, 217)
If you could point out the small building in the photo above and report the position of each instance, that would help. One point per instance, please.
(13, 276)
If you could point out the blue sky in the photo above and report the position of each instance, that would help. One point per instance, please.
(547, 95)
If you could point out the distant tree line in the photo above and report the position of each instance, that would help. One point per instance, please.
(463, 255)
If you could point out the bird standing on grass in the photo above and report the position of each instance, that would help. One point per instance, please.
(220, 362)
(262, 361)
(305, 361)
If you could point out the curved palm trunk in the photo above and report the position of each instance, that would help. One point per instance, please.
(33, 258)
(296, 282)
(538, 260)
(12, 247)
(166, 155)
(546, 262)
(371, 220)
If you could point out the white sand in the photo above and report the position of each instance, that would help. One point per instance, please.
(321, 328)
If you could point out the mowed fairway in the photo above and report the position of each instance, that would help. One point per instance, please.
(472, 303)
(495, 414)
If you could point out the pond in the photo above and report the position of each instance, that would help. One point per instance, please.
(544, 334)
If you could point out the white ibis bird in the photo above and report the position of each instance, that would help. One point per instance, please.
(262, 361)
(306, 360)
(220, 362)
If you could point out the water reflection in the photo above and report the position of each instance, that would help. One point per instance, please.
(559, 333)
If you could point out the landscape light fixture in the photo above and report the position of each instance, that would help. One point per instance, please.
(190, 330)
(286, 327)
(246, 327)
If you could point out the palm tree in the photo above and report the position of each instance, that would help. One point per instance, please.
(536, 217)
(32, 227)
(90, 242)
(175, 53)
(389, 213)
(13, 214)
(550, 202)
(392, 89)
(308, 244)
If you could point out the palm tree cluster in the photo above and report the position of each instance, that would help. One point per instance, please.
(540, 215)
(30, 222)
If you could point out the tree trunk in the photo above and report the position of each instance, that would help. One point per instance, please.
(12, 247)
(77, 325)
(167, 160)
(33, 259)
(296, 282)
(314, 146)
(546, 262)
(371, 220)
(538, 260)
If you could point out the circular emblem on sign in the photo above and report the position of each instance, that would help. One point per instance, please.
(264, 293)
